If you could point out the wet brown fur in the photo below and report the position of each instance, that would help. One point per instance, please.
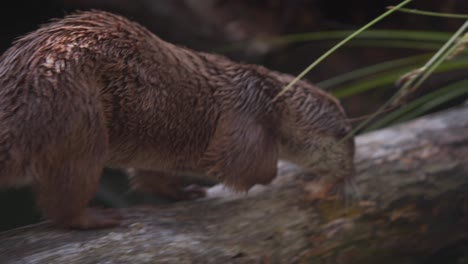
(95, 89)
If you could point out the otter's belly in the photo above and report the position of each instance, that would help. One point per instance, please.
(180, 152)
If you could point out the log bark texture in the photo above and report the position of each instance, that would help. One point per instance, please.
(412, 184)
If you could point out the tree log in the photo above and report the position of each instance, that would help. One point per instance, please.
(410, 200)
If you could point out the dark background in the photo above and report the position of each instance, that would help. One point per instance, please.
(212, 25)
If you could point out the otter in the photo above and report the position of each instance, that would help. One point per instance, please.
(95, 90)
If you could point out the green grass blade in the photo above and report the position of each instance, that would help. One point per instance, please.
(423, 104)
(370, 70)
(379, 34)
(337, 46)
(404, 38)
(390, 77)
(396, 44)
(433, 14)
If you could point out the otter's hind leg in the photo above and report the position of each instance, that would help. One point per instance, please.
(68, 166)
(63, 193)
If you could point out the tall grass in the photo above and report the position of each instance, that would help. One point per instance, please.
(438, 58)
(409, 72)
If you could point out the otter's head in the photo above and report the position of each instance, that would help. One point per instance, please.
(314, 131)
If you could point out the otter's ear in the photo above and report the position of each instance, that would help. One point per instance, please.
(241, 153)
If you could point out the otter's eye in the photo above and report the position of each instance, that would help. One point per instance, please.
(344, 131)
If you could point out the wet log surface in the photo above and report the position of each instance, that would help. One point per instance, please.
(412, 183)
